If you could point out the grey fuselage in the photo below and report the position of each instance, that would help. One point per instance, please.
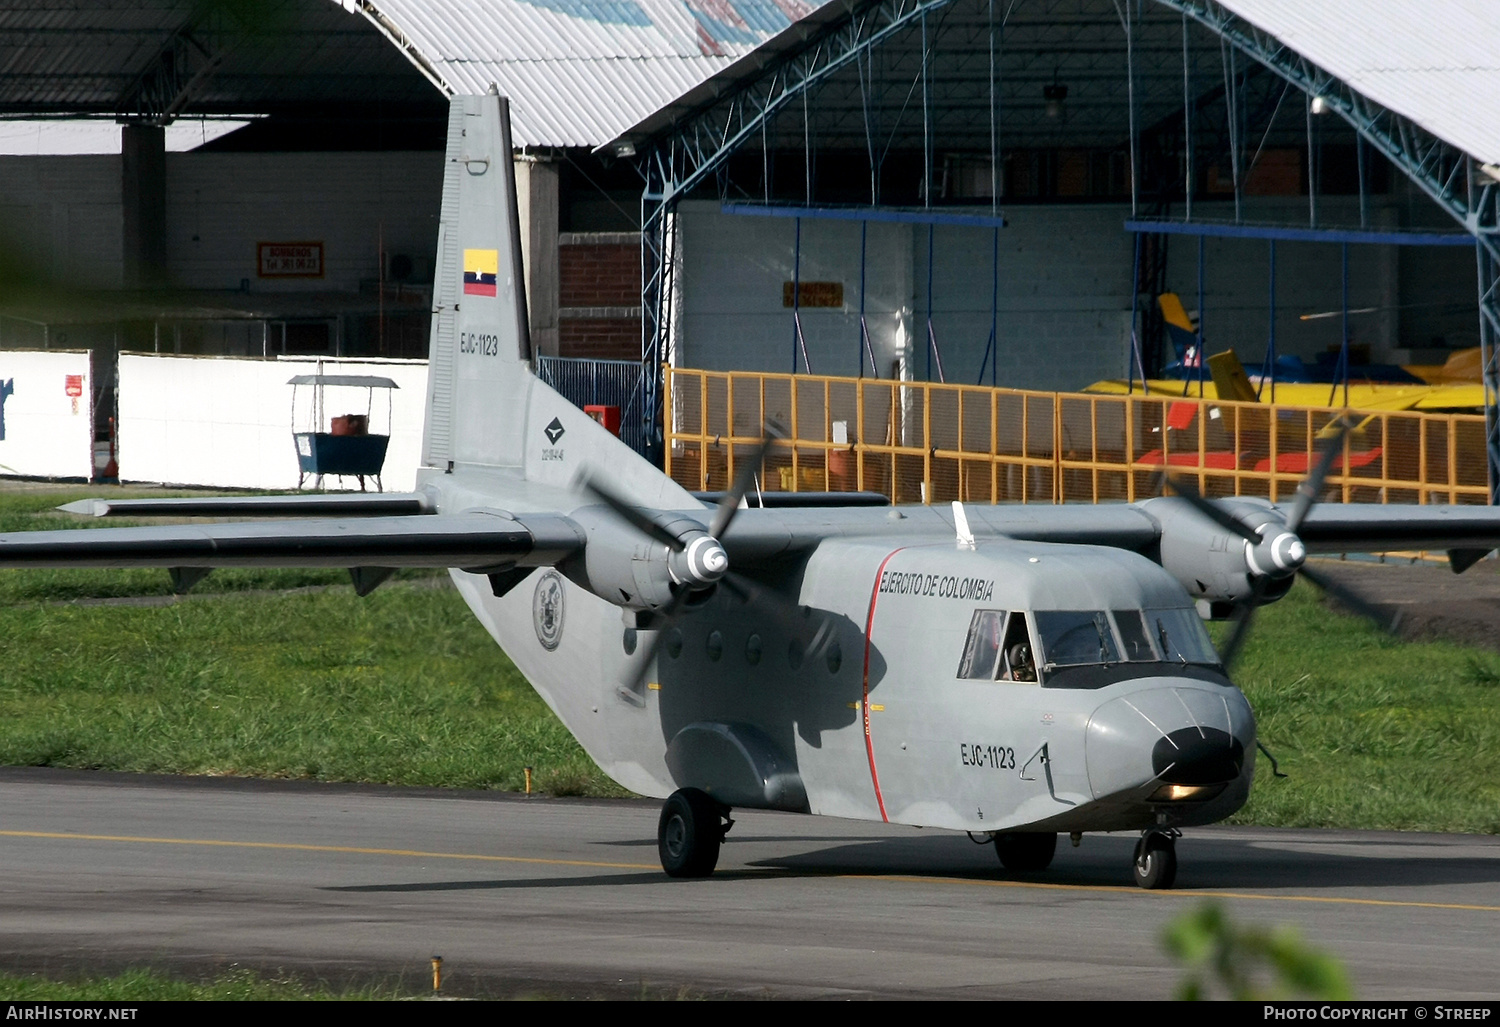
(875, 723)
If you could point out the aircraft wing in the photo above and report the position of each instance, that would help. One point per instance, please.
(1358, 528)
(479, 541)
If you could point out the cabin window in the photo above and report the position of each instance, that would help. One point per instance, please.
(982, 648)
(1072, 638)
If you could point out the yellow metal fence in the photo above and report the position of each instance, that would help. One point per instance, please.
(920, 442)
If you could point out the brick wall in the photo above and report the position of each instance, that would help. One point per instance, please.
(600, 338)
(599, 286)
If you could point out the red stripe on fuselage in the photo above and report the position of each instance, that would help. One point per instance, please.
(864, 705)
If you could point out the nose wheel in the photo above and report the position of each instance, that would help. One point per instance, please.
(688, 835)
(1155, 862)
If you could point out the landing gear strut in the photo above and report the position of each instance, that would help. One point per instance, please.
(1155, 862)
(1025, 852)
(688, 835)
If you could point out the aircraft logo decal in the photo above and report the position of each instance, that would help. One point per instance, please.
(7, 387)
(554, 431)
(480, 268)
(547, 610)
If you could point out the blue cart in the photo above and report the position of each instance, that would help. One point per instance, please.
(340, 444)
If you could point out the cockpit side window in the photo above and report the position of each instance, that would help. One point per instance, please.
(982, 647)
(1017, 661)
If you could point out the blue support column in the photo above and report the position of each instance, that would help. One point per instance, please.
(796, 292)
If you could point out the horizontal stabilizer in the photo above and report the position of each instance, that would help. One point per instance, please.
(361, 504)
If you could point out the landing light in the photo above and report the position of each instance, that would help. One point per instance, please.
(1186, 793)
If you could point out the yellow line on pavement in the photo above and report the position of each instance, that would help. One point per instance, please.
(1177, 893)
(767, 871)
(353, 849)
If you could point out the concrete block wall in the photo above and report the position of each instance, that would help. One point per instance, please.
(64, 214)
(61, 216)
(599, 287)
(220, 205)
(1308, 281)
(1063, 281)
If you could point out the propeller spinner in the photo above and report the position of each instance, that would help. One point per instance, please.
(1275, 553)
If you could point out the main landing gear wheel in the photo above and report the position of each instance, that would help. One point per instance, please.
(1156, 860)
(689, 833)
(1025, 853)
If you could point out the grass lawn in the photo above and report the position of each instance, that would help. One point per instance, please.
(405, 687)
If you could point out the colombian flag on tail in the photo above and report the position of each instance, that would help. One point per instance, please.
(479, 272)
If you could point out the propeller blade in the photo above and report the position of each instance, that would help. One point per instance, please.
(1244, 616)
(1353, 601)
(634, 687)
(744, 477)
(1223, 518)
(1312, 486)
(637, 517)
(786, 610)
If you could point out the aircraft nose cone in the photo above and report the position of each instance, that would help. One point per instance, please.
(1198, 756)
(1175, 735)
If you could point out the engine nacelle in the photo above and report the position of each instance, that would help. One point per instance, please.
(1215, 564)
(624, 566)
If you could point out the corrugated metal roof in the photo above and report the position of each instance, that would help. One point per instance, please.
(1436, 61)
(579, 72)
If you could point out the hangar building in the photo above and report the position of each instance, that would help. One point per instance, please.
(970, 190)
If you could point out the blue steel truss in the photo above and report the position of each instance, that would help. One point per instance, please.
(701, 140)
(1444, 172)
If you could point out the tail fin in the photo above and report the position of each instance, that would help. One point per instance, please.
(479, 325)
(1180, 327)
(1230, 378)
(484, 405)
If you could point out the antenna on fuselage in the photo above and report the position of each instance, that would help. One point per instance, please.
(961, 523)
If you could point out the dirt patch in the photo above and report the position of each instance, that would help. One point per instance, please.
(1432, 600)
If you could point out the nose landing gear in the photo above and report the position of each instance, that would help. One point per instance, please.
(688, 835)
(1155, 863)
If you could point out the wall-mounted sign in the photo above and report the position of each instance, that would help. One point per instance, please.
(73, 388)
(289, 260)
(813, 294)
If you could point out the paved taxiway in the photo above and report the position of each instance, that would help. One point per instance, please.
(565, 896)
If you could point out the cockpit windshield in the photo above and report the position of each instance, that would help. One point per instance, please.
(999, 644)
(1075, 638)
(1071, 638)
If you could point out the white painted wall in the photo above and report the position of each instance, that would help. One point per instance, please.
(46, 434)
(227, 422)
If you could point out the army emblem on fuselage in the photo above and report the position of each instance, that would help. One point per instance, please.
(554, 431)
(547, 610)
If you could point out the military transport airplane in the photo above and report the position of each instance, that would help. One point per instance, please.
(1015, 672)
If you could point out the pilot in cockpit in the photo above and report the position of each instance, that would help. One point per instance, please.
(1022, 666)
